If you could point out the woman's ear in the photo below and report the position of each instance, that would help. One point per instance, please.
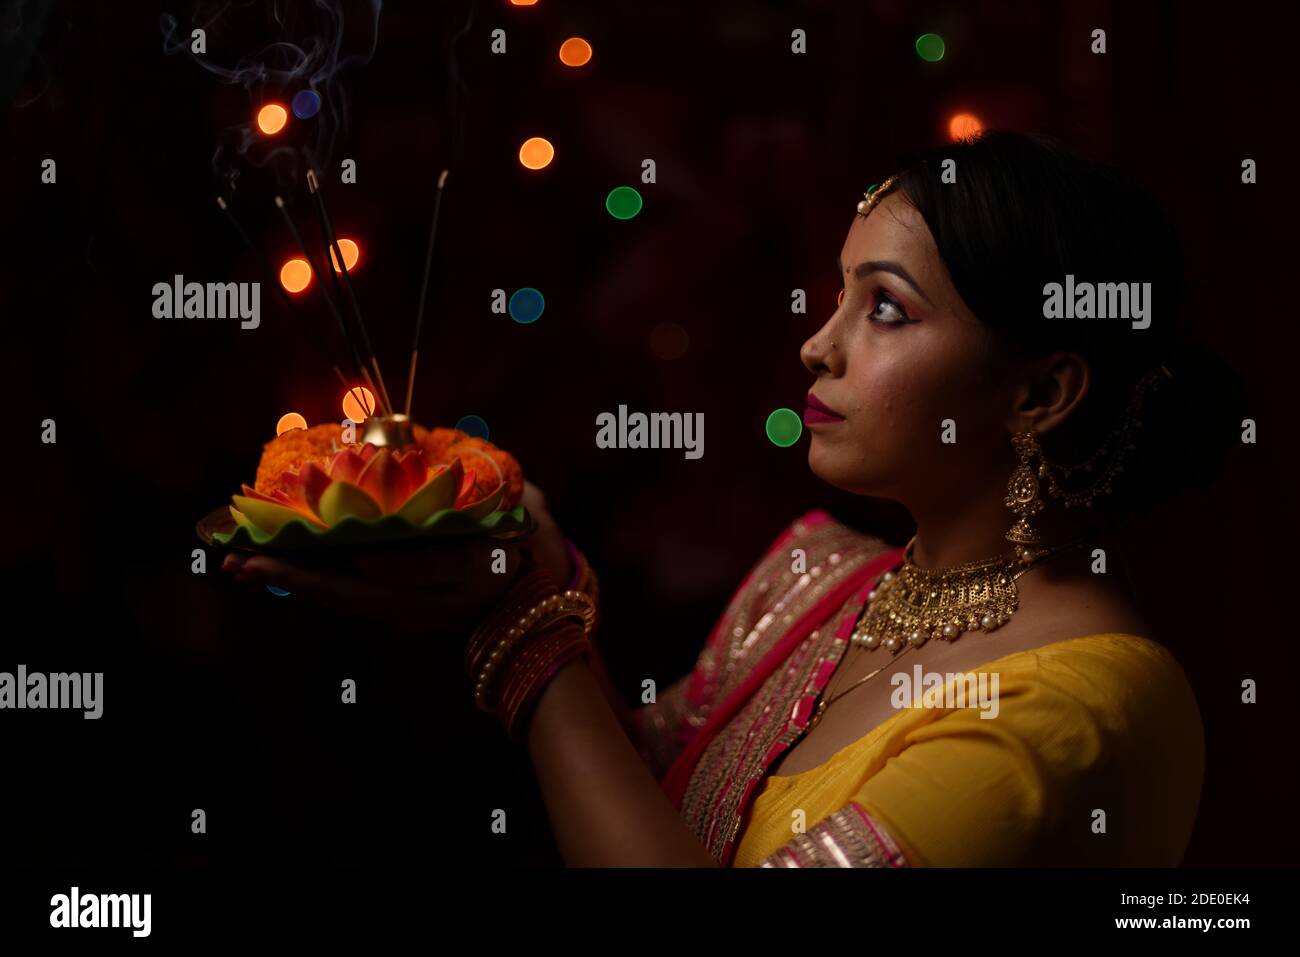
(1052, 387)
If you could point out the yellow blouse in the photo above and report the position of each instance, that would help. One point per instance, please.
(1095, 758)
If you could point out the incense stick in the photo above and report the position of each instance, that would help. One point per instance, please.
(334, 310)
(424, 288)
(313, 186)
(268, 270)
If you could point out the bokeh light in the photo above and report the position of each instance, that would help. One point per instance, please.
(306, 104)
(669, 341)
(352, 408)
(271, 118)
(930, 47)
(351, 254)
(575, 51)
(623, 202)
(277, 590)
(964, 126)
(290, 420)
(526, 305)
(473, 425)
(523, 3)
(536, 153)
(784, 427)
(295, 275)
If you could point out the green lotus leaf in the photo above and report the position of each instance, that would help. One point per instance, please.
(299, 534)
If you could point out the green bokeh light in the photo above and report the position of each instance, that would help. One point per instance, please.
(930, 47)
(623, 202)
(784, 427)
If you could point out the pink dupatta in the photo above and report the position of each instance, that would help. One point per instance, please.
(854, 585)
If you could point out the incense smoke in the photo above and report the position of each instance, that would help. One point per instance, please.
(307, 53)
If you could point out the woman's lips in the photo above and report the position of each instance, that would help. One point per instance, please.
(819, 411)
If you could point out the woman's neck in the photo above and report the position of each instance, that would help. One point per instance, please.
(953, 533)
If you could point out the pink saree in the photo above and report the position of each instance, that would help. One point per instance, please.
(714, 734)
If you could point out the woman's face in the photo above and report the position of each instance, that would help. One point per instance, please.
(900, 355)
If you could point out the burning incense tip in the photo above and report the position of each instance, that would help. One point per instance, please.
(221, 202)
(279, 201)
(443, 178)
(312, 183)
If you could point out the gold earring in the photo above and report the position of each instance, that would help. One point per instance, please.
(1022, 493)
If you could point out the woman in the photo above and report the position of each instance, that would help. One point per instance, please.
(989, 695)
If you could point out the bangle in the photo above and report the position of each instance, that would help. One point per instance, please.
(533, 669)
(504, 650)
(532, 588)
(584, 576)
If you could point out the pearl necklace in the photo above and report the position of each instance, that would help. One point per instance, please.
(916, 604)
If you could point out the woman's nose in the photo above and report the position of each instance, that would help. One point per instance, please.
(820, 354)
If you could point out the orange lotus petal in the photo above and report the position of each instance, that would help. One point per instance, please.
(486, 506)
(314, 482)
(346, 466)
(344, 500)
(268, 516)
(417, 470)
(368, 451)
(254, 493)
(385, 480)
(435, 495)
(465, 493)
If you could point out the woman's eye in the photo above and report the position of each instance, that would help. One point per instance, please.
(888, 312)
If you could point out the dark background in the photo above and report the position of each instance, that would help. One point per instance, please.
(225, 697)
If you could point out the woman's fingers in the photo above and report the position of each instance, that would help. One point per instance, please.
(333, 591)
(443, 564)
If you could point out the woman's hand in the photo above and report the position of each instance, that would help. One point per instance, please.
(434, 588)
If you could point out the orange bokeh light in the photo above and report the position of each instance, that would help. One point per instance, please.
(295, 275)
(352, 408)
(290, 420)
(351, 253)
(271, 118)
(964, 126)
(522, 3)
(575, 51)
(536, 153)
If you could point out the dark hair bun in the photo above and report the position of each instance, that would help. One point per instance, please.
(1189, 426)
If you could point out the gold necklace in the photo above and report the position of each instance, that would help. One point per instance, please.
(909, 607)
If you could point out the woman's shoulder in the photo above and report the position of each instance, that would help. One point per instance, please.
(1126, 688)
(812, 545)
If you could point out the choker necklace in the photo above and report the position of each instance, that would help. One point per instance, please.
(913, 605)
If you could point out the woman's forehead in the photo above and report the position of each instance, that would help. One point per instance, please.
(892, 230)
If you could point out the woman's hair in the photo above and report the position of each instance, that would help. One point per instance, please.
(1018, 212)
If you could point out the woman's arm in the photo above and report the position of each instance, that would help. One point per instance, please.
(606, 809)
